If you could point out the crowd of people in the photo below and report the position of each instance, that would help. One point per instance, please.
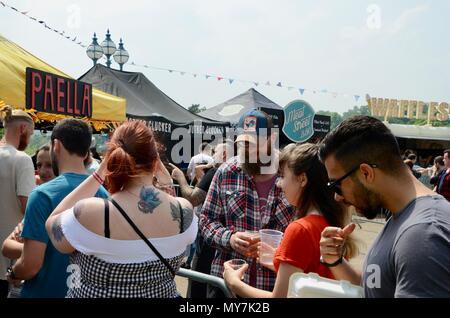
(81, 226)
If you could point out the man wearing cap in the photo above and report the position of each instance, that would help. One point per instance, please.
(16, 177)
(243, 197)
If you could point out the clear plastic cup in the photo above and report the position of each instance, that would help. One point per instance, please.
(237, 263)
(254, 235)
(270, 240)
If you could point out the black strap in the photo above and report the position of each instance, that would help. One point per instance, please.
(181, 217)
(107, 231)
(142, 236)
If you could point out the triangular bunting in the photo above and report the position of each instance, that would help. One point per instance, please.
(357, 98)
(231, 80)
(279, 84)
(301, 90)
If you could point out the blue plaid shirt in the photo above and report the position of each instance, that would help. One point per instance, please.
(232, 205)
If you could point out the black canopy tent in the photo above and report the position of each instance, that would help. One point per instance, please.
(232, 110)
(147, 102)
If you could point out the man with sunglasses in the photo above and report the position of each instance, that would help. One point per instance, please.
(411, 255)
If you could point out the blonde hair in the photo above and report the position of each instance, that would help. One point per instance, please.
(9, 115)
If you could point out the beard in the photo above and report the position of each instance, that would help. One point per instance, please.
(23, 142)
(55, 166)
(251, 167)
(369, 202)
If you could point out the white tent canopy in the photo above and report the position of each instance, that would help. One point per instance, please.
(420, 132)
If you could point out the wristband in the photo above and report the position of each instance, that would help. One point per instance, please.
(98, 178)
(338, 262)
(11, 273)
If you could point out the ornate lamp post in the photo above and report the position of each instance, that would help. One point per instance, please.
(121, 56)
(94, 51)
(109, 48)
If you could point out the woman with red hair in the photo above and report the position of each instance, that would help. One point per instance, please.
(132, 244)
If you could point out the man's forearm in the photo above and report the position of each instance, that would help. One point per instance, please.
(12, 249)
(185, 189)
(22, 272)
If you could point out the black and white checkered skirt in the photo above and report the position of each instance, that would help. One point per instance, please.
(94, 278)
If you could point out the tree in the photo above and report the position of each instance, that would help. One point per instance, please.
(356, 111)
(336, 118)
(195, 109)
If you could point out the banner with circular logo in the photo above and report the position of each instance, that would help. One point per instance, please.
(298, 121)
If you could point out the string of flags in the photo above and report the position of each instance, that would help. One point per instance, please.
(219, 78)
(254, 83)
(45, 25)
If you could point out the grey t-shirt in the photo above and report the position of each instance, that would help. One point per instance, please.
(411, 256)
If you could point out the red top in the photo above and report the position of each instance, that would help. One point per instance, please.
(300, 246)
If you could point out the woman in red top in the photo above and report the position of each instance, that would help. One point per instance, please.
(304, 182)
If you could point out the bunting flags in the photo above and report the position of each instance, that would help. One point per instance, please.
(42, 22)
(219, 78)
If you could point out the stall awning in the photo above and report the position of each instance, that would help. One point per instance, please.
(106, 109)
(420, 132)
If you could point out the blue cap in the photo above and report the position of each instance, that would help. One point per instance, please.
(253, 123)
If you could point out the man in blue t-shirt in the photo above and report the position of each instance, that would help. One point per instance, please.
(42, 267)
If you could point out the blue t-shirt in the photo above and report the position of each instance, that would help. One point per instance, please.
(50, 282)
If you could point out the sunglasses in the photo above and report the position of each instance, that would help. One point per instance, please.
(336, 185)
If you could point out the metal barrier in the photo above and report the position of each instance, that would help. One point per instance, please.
(206, 279)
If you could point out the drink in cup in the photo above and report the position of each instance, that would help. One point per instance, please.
(270, 240)
(237, 263)
(254, 238)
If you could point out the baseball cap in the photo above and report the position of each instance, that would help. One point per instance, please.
(253, 124)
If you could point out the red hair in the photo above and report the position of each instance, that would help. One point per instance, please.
(131, 151)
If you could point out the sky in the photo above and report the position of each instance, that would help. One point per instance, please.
(392, 49)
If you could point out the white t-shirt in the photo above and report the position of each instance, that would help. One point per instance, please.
(16, 179)
(195, 161)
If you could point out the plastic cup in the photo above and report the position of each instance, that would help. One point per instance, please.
(237, 263)
(270, 240)
(254, 235)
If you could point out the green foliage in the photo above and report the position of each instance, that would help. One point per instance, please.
(336, 118)
(356, 111)
(195, 108)
(37, 140)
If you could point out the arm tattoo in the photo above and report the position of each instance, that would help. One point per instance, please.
(188, 215)
(57, 230)
(197, 197)
(149, 200)
(186, 191)
(77, 209)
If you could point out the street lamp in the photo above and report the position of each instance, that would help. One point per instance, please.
(121, 56)
(94, 51)
(109, 48)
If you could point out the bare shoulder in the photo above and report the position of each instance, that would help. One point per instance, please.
(185, 204)
(89, 211)
(182, 212)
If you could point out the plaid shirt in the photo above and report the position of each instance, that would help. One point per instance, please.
(443, 185)
(232, 205)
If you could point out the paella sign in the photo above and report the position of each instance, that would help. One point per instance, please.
(51, 93)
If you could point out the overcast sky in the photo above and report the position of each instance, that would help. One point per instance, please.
(395, 49)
